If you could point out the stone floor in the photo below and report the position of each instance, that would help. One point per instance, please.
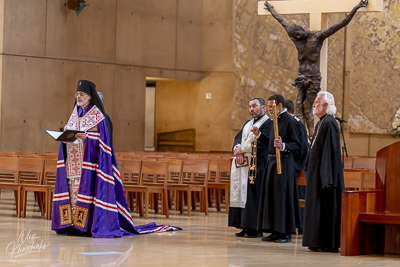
(204, 241)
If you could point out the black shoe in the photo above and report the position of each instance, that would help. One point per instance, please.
(76, 232)
(299, 231)
(270, 238)
(332, 250)
(284, 239)
(241, 234)
(248, 235)
(87, 234)
(316, 249)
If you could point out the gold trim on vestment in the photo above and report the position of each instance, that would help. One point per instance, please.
(94, 129)
(80, 216)
(65, 214)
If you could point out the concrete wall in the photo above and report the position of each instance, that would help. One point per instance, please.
(183, 104)
(46, 49)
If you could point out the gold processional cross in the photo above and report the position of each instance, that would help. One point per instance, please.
(318, 11)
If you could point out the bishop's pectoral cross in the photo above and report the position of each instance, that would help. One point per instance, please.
(318, 11)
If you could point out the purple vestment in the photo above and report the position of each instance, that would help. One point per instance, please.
(101, 208)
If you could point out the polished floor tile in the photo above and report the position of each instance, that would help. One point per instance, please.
(204, 241)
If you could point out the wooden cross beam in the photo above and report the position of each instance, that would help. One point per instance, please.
(317, 8)
(318, 11)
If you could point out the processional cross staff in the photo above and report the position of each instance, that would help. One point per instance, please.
(312, 52)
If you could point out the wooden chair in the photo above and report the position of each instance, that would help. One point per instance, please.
(348, 163)
(352, 180)
(48, 155)
(130, 174)
(224, 171)
(27, 154)
(175, 176)
(133, 157)
(49, 179)
(364, 163)
(174, 169)
(301, 181)
(213, 169)
(221, 182)
(8, 154)
(195, 175)
(154, 176)
(30, 176)
(368, 182)
(9, 179)
(358, 170)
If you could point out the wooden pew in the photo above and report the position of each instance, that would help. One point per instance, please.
(370, 220)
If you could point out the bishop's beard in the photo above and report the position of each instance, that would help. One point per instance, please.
(82, 103)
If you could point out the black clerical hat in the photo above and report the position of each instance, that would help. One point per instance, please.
(90, 88)
(86, 86)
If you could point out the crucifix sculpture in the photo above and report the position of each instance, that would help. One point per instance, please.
(309, 44)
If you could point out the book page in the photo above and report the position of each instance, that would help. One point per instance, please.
(54, 134)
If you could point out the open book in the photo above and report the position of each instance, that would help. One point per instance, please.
(66, 136)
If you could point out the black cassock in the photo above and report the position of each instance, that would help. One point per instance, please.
(300, 159)
(246, 218)
(323, 205)
(300, 162)
(279, 201)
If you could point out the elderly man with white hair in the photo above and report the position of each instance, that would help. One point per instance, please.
(324, 178)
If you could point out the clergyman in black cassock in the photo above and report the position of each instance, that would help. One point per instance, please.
(279, 202)
(300, 160)
(246, 218)
(324, 178)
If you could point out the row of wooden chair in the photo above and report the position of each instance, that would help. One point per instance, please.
(361, 163)
(215, 188)
(44, 155)
(31, 172)
(173, 153)
(171, 178)
(22, 175)
(24, 172)
(359, 179)
(354, 179)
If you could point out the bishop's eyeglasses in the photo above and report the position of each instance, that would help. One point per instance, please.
(81, 94)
